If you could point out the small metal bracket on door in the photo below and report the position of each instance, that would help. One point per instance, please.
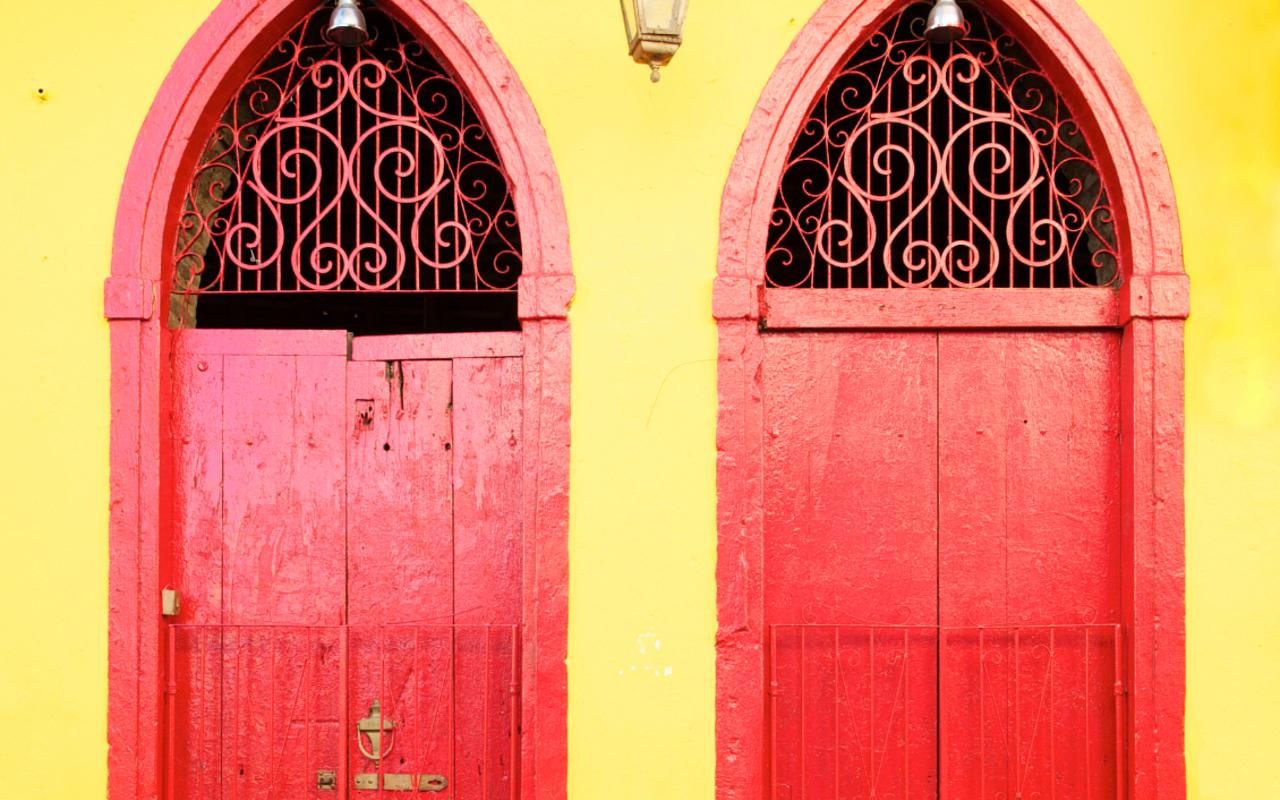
(327, 780)
(170, 602)
(373, 727)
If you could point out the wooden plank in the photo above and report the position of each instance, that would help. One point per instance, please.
(487, 450)
(211, 341)
(436, 346)
(400, 558)
(196, 438)
(488, 446)
(1029, 535)
(931, 309)
(850, 538)
(283, 563)
(284, 489)
(397, 421)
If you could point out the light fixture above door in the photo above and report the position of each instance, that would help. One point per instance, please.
(655, 31)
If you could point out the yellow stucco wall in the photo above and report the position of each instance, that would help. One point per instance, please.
(643, 168)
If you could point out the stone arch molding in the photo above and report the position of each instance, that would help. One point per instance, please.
(225, 49)
(1149, 307)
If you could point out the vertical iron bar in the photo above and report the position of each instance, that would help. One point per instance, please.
(839, 754)
(871, 177)
(337, 208)
(804, 701)
(344, 711)
(929, 181)
(1031, 224)
(1017, 709)
(382, 651)
(171, 714)
(271, 721)
(308, 689)
(1053, 729)
(415, 674)
(1088, 751)
(906, 715)
(773, 713)
(297, 187)
(484, 717)
(319, 193)
(354, 265)
(1121, 772)
(1012, 278)
(888, 188)
(982, 711)
(940, 641)
(235, 749)
(514, 768)
(453, 705)
(874, 777)
(203, 725)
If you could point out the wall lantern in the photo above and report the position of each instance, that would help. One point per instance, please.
(655, 30)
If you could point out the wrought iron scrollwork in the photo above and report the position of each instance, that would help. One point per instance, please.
(348, 170)
(925, 165)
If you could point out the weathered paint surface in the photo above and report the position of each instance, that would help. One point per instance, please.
(358, 536)
(923, 493)
(851, 539)
(400, 535)
(1127, 569)
(643, 536)
(231, 40)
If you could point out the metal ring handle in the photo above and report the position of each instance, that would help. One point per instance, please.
(391, 738)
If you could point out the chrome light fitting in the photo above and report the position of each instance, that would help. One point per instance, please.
(946, 22)
(346, 25)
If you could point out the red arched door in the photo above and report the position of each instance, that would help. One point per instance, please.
(348, 552)
(927, 577)
(342, 445)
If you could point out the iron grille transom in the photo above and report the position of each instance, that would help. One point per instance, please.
(342, 171)
(941, 165)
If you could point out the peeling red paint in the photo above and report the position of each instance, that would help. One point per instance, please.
(144, 507)
(1126, 371)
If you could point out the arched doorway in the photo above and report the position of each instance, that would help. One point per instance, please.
(950, 303)
(340, 419)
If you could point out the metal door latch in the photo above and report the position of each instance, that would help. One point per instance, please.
(327, 780)
(373, 727)
(170, 602)
(401, 782)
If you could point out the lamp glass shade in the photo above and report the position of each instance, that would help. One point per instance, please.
(347, 25)
(662, 16)
(946, 22)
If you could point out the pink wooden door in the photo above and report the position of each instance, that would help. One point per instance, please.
(942, 564)
(348, 550)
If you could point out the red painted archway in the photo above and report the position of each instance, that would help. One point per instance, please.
(209, 69)
(1146, 312)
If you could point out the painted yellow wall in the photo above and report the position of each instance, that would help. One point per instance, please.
(642, 167)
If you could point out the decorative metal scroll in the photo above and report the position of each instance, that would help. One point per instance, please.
(348, 170)
(936, 165)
